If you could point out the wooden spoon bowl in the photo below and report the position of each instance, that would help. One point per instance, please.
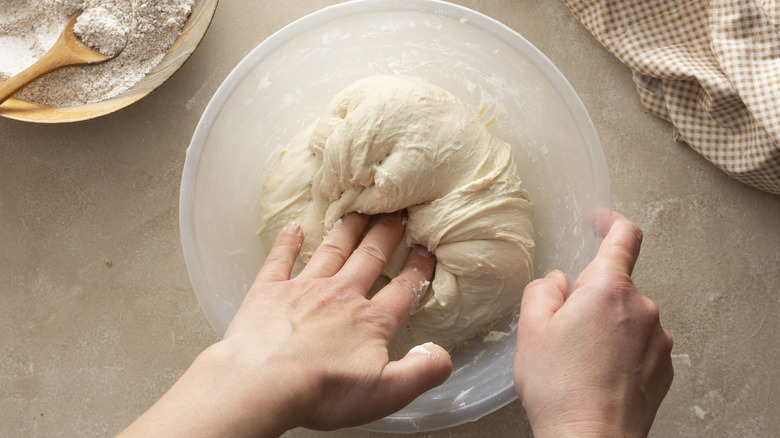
(191, 35)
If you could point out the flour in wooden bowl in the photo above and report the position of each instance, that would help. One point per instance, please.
(143, 30)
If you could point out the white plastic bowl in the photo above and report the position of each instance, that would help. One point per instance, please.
(285, 83)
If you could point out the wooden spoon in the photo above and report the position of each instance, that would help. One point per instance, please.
(67, 51)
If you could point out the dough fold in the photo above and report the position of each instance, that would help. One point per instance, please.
(386, 143)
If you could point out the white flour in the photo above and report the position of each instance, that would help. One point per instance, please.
(145, 28)
(100, 29)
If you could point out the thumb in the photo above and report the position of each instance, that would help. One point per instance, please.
(541, 299)
(424, 367)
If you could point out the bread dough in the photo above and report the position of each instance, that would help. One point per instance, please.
(387, 143)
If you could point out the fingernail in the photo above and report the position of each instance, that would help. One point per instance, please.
(556, 273)
(292, 228)
(426, 349)
(421, 349)
(423, 251)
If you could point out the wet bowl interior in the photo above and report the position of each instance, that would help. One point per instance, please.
(191, 35)
(286, 82)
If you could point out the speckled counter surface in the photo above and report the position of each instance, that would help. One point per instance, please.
(86, 347)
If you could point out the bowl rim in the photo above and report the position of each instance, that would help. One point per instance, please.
(34, 112)
(457, 416)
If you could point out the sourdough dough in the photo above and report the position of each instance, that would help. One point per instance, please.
(387, 143)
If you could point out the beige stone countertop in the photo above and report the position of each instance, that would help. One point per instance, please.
(87, 347)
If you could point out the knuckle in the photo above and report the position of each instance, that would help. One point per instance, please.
(316, 297)
(635, 230)
(653, 314)
(373, 253)
(375, 316)
(629, 242)
(276, 258)
(412, 292)
(287, 239)
(614, 284)
(331, 248)
(668, 341)
(622, 250)
(405, 285)
(539, 283)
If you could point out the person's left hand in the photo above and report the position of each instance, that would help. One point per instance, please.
(312, 351)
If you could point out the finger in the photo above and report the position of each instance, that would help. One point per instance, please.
(599, 220)
(620, 248)
(424, 367)
(280, 260)
(337, 246)
(541, 300)
(403, 293)
(370, 258)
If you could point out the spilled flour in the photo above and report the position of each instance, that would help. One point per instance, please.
(145, 29)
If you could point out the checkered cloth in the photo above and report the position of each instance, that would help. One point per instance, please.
(711, 67)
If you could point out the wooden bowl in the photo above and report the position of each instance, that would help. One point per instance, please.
(191, 35)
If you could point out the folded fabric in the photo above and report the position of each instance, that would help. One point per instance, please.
(711, 67)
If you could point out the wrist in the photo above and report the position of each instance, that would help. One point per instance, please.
(593, 413)
(602, 427)
(211, 399)
(232, 387)
(582, 429)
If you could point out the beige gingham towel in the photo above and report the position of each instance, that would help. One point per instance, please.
(712, 68)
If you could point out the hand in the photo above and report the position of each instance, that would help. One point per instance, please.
(311, 351)
(325, 342)
(597, 363)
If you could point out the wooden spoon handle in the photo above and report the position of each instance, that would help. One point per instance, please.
(48, 63)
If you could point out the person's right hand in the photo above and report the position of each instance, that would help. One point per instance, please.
(597, 363)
